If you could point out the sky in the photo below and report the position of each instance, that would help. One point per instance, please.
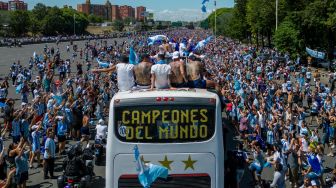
(165, 10)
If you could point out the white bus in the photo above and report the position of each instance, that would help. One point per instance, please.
(180, 129)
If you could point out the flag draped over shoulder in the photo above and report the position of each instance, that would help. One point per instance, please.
(133, 57)
(148, 173)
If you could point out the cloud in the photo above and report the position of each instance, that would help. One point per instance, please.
(180, 15)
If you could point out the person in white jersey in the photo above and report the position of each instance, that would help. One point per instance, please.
(125, 73)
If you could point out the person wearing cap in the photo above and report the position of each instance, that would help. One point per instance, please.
(101, 130)
(49, 154)
(125, 73)
(178, 77)
(160, 74)
(142, 72)
(36, 145)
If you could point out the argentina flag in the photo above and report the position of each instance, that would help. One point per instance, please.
(18, 88)
(148, 173)
(202, 43)
(133, 57)
(102, 64)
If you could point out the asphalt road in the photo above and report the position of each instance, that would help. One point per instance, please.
(9, 55)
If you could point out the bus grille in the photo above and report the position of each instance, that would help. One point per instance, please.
(173, 181)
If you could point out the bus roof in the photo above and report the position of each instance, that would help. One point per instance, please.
(179, 92)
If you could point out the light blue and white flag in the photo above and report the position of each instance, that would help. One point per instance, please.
(18, 88)
(133, 57)
(247, 57)
(103, 64)
(202, 43)
(58, 99)
(204, 10)
(316, 54)
(156, 38)
(148, 173)
(204, 1)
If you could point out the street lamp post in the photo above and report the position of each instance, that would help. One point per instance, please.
(276, 14)
(215, 21)
(74, 24)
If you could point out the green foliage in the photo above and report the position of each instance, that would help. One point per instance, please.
(219, 12)
(310, 22)
(129, 21)
(224, 19)
(47, 20)
(95, 19)
(286, 38)
(118, 25)
(177, 24)
(4, 17)
(19, 22)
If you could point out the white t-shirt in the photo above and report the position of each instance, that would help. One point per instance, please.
(125, 76)
(304, 144)
(161, 72)
(101, 131)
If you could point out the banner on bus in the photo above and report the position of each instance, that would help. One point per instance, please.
(165, 123)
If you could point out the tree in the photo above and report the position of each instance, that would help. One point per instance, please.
(129, 20)
(40, 11)
(177, 24)
(95, 19)
(287, 38)
(19, 22)
(54, 22)
(35, 25)
(118, 25)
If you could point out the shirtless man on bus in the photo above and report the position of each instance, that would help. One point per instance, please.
(178, 76)
(142, 72)
(195, 70)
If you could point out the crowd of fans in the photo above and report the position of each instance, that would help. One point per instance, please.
(282, 111)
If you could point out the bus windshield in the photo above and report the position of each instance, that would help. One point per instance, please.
(165, 123)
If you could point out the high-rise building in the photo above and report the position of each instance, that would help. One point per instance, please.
(17, 5)
(115, 12)
(13, 5)
(140, 11)
(126, 11)
(3, 5)
(84, 8)
(103, 11)
(111, 12)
